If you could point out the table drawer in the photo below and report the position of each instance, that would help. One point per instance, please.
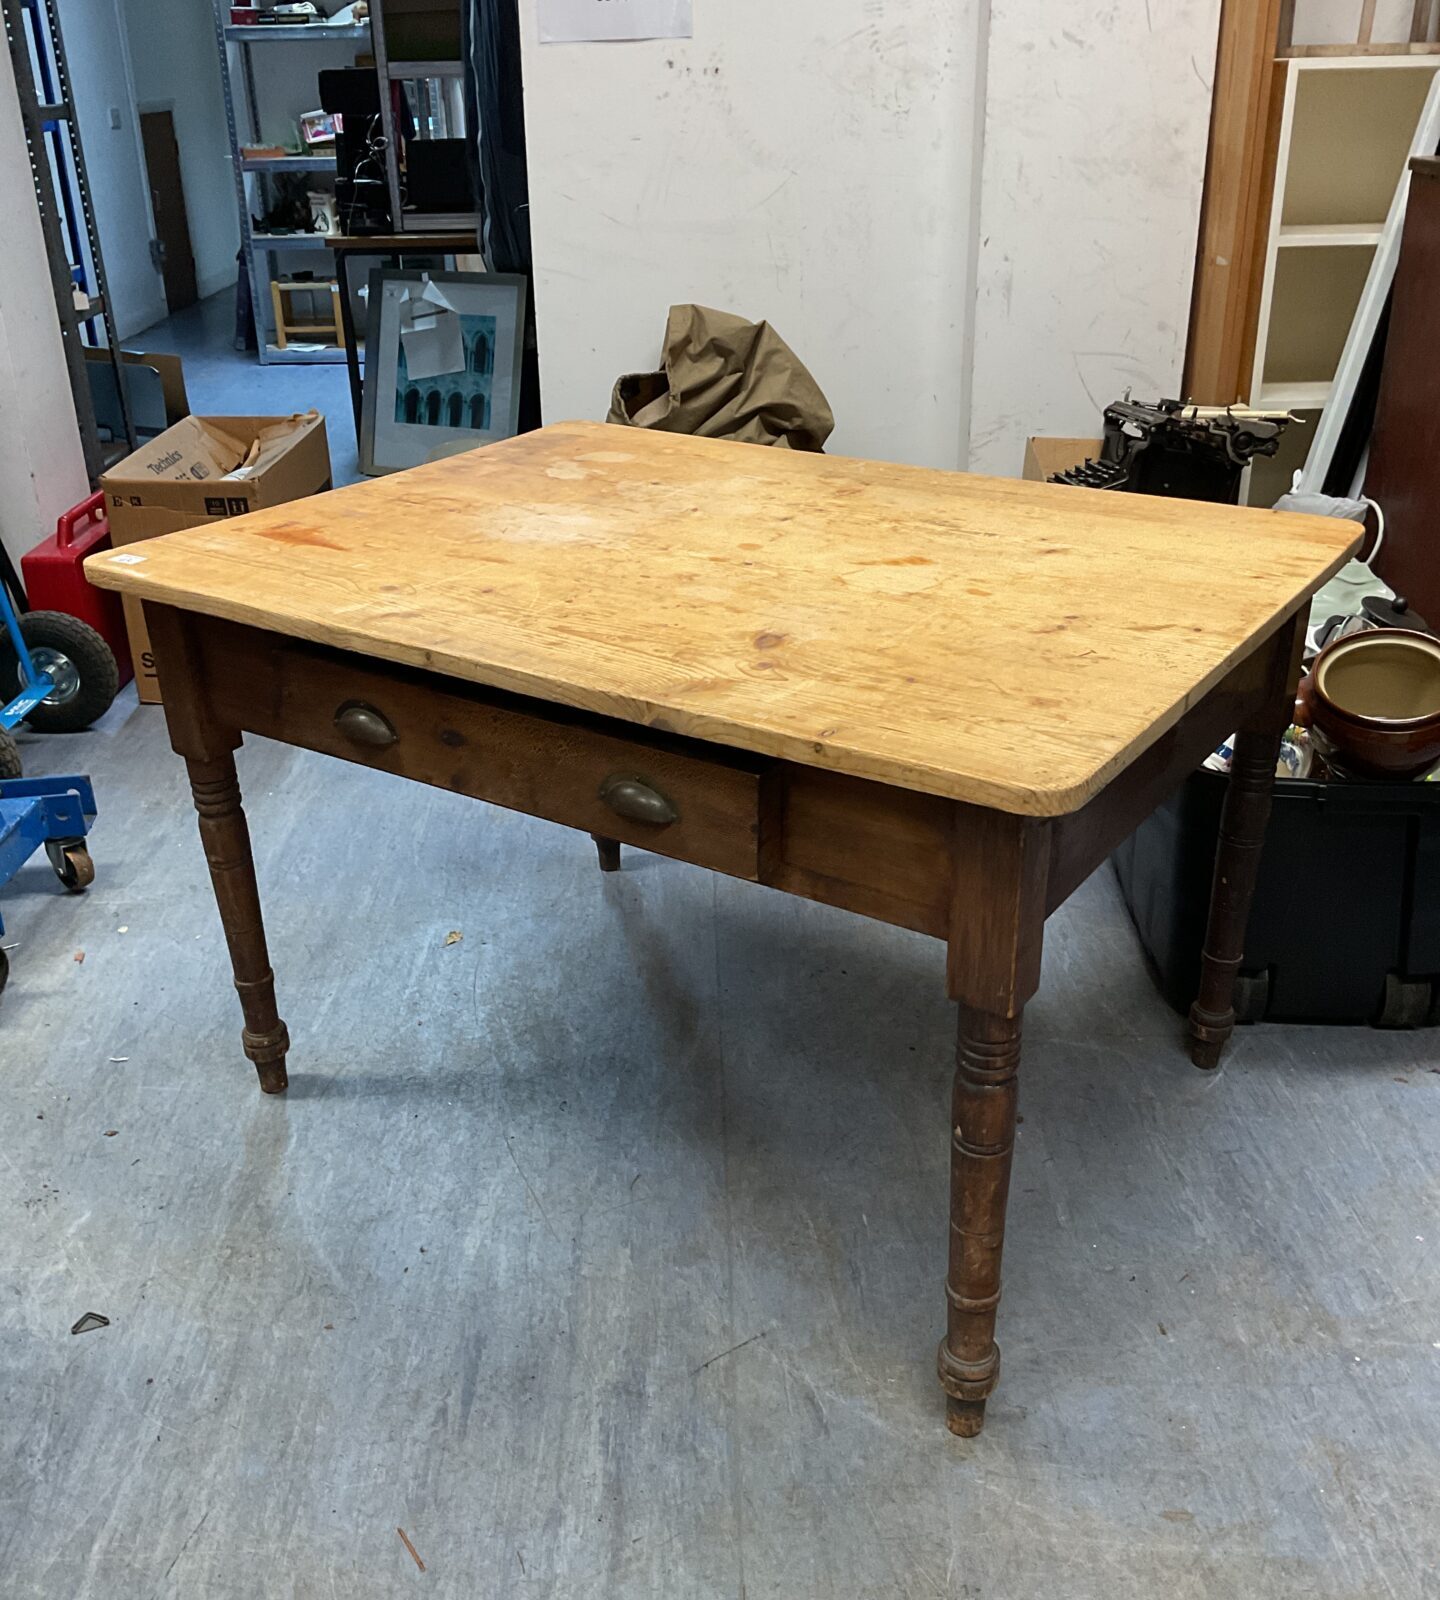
(674, 796)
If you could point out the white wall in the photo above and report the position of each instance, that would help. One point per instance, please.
(899, 188)
(1096, 123)
(42, 471)
(808, 162)
(97, 52)
(176, 66)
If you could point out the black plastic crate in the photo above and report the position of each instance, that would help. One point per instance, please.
(1345, 926)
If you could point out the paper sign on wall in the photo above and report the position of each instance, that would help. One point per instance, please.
(566, 21)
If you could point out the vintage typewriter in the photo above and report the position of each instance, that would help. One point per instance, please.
(1191, 452)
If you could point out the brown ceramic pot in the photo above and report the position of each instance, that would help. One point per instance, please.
(1374, 698)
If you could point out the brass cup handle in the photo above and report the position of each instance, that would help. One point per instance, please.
(363, 724)
(630, 797)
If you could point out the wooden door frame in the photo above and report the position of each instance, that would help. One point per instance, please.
(1238, 169)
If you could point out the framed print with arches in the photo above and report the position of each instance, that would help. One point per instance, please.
(442, 365)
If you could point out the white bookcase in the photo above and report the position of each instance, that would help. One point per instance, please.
(1346, 128)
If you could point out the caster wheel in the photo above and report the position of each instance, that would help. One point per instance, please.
(9, 755)
(77, 659)
(71, 861)
(1406, 1003)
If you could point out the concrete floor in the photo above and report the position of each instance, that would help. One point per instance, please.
(601, 1251)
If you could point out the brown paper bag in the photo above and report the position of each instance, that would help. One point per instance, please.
(725, 378)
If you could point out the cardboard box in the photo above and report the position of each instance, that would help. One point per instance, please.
(202, 470)
(169, 369)
(1045, 456)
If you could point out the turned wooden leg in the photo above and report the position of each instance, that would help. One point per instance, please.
(1237, 864)
(232, 870)
(208, 745)
(609, 852)
(1000, 869)
(1237, 856)
(982, 1140)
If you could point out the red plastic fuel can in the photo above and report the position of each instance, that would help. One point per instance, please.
(55, 579)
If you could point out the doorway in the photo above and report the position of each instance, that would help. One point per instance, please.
(175, 258)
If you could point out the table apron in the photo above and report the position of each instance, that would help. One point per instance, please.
(869, 848)
(1085, 838)
(709, 810)
(863, 846)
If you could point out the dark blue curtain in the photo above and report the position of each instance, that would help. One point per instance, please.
(495, 95)
(497, 111)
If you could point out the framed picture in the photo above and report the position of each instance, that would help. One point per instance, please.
(442, 365)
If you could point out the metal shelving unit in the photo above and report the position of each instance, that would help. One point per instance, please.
(288, 163)
(62, 193)
(259, 249)
(435, 97)
(281, 32)
(288, 241)
(427, 69)
(447, 73)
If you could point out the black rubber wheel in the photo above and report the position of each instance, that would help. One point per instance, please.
(71, 861)
(9, 755)
(1406, 1003)
(4, 969)
(86, 677)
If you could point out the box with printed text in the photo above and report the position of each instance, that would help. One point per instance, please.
(202, 469)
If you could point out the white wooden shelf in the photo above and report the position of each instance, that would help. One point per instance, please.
(1294, 396)
(1298, 235)
(1346, 128)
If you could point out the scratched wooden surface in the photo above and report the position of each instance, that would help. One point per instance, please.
(1008, 643)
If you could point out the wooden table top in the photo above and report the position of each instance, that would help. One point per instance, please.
(1007, 643)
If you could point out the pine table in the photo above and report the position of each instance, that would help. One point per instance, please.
(928, 698)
